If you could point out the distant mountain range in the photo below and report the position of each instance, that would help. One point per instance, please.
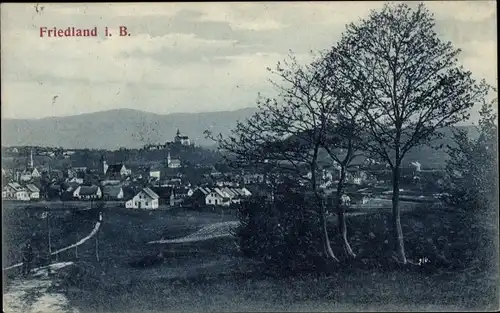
(118, 128)
(133, 129)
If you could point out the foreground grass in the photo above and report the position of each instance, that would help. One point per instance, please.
(211, 276)
(232, 292)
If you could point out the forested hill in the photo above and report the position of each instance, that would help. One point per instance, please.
(117, 128)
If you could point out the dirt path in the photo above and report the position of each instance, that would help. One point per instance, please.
(36, 294)
(80, 242)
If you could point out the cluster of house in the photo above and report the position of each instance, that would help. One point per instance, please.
(144, 198)
(116, 183)
(16, 191)
(150, 189)
(224, 196)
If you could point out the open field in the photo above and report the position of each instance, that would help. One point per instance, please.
(212, 276)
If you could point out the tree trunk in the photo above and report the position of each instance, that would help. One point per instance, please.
(326, 240)
(327, 248)
(340, 209)
(399, 248)
(343, 233)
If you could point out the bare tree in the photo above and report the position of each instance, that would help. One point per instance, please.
(289, 132)
(407, 84)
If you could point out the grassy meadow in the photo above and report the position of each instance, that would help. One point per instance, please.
(212, 275)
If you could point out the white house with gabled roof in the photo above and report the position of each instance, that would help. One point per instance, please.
(14, 191)
(33, 191)
(218, 197)
(145, 199)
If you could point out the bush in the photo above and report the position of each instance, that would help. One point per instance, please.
(280, 233)
(472, 168)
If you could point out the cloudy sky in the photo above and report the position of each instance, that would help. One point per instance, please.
(189, 57)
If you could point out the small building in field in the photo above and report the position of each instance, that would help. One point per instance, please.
(166, 195)
(181, 192)
(14, 191)
(198, 196)
(345, 200)
(236, 194)
(251, 178)
(173, 163)
(33, 191)
(35, 173)
(80, 169)
(218, 197)
(75, 179)
(112, 192)
(145, 199)
(69, 187)
(29, 174)
(87, 193)
(116, 171)
(155, 172)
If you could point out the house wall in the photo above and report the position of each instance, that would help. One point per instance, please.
(198, 198)
(155, 174)
(117, 197)
(142, 201)
(22, 196)
(97, 195)
(215, 199)
(124, 171)
(35, 195)
(11, 194)
(26, 177)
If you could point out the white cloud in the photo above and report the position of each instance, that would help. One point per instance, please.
(462, 10)
(239, 15)
(119, 9)
(480, 58)
(247, 16)
(87, 73)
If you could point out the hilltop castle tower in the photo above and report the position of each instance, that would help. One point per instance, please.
(182, 139)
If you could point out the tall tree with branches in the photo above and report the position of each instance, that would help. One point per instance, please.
(289, 132)
(408, 84)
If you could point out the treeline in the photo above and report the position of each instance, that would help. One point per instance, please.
(189, 155)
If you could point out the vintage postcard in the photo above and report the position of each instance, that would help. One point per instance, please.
(249, 157)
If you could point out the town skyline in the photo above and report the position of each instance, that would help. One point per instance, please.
(221, 51)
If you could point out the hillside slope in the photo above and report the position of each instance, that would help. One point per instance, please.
(117, 128)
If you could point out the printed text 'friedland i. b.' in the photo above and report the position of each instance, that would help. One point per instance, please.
(82, 32)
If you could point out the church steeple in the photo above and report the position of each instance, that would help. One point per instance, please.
(104, 164)
(31, 163)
